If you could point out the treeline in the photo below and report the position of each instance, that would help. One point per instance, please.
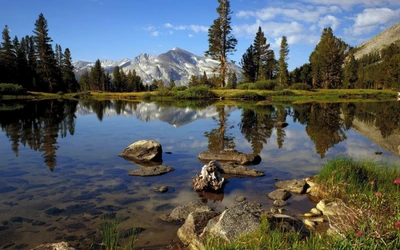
(32, 62)
(333, 65)
(100, 80)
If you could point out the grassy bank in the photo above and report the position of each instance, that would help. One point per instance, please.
(203, 93)
(370, 189)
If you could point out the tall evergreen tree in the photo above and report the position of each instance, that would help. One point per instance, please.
(232, 80)
(272, 65)
(7, 57)
(22, 67)
(283, 66)
(46, 62)
(261, 49)
(68, 75)
(84, 81)
(96, 81)
(117, 81)
(350, 71)
(327, 60)
(249, 67)
(220, 40)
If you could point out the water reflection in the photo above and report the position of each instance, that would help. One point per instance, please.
(219, 138)
(38, 125)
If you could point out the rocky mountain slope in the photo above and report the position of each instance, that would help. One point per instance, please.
(176, 64)
(379, 41)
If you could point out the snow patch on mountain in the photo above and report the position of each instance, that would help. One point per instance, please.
(176, 64)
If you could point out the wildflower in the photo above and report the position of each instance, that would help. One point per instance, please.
(360, 233)
(378, 194)
(372, 182)
(397, 224)
(397, 181)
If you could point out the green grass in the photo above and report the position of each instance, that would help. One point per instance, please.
(110, 235)
(370, 191)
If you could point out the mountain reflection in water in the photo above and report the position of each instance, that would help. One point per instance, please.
(80, 142)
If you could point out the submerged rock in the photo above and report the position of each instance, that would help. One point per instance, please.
(143, 150)
(151, 171)
(180, 213)
(54, 246)
(279, 194)
(210, 178)
(160, 189)
(233, 168)
(294, 186)
(230, 155)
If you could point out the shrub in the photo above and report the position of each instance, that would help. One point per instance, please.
(243, 86)
(179, 88)
(249, 95)
(300, 86)
(164, 92)
(147, 96)
(11, 89)
(264, 85)
(284, 92)
(198, 92)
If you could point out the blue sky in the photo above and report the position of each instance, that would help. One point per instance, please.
(118, 29)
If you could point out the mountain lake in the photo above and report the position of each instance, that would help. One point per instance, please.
(60, 173)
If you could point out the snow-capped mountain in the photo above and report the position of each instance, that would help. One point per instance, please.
(176, 64)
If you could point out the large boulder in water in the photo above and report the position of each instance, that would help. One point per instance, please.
(143, 151)
(181, 213)
(230, 155)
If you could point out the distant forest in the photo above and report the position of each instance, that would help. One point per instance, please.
(33, 63)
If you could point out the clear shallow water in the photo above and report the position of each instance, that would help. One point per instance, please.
(60, 170)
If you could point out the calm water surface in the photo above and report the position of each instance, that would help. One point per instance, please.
(60, 171)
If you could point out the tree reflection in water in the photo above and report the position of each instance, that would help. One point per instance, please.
(38, 125)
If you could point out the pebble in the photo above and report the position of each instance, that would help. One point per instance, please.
(240, 198)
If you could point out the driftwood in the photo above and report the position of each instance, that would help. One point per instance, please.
(210, 178)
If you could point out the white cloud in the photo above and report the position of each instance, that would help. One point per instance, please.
(155, 33)
(190, 35)
(194, 28)
(348, 4)
(370, 19)
(329, 21)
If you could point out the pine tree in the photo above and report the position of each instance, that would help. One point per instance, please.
(327, 60)
(272, 65)
(204, 79)
(261, 54)
(232, 81)
(350, 71)
(71, 84)
(22, 67)
(220, 40)
(171, 83)
(7, 58)
(124, 80)
(96, 80)
(249, 68)
(283, 66)
(117, 79)
(46, 62)
(84, 82)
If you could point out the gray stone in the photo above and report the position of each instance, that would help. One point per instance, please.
(234, 168)
(192, 228)
(151, 171)
(279, 194)
(54, 246)
(294, 186)
(161, 189)
(279, 203)
(286, 223)
(230, 155)
(243, 218)
(332, 207)
(180, 213)
(240, 198)
(143, 150)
